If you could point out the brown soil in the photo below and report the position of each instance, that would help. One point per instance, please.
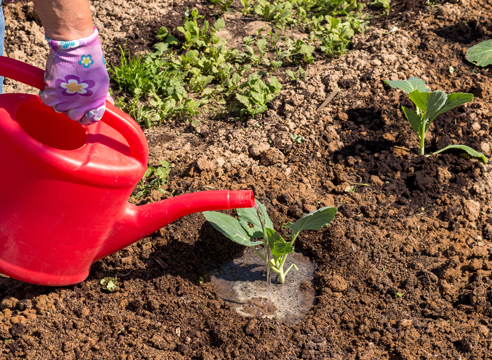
(402, 273)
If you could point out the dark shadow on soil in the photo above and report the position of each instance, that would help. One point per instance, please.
(11, 287)
(176, 258)
(463, 32)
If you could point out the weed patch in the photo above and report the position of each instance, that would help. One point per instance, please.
(201, 74)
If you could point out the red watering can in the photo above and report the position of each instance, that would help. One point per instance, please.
(64, 187)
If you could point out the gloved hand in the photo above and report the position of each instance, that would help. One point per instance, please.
(77, 81)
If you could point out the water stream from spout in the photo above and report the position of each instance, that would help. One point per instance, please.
(267, 250)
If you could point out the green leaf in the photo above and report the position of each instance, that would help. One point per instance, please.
(276, 64)
(315, 220)
(453, 100)
(275, 83)
(480, 54)
(230, 228)
(278, 246)
(243, 100)
(219, 24)
(414, 120)
(419, 99)
(262, 43)
(472, 152)
(291, 74)
(408, 85)
(435, 102)
(162, 172)
(250, 215)
(108, 283)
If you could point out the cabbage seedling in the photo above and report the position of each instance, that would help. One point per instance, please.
(248, 227)
(429, 105)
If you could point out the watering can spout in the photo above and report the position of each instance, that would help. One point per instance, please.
(138, 222)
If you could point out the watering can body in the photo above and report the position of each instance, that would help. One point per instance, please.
(64, 188)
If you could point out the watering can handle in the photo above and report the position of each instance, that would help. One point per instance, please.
(124, 124)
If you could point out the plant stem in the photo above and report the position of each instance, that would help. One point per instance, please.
(281, 276)
(422, 139)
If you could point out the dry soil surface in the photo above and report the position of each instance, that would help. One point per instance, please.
(403, 272)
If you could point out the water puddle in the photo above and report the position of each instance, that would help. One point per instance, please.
(242, 283)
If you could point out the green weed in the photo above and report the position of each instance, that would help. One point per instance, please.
(153, 178)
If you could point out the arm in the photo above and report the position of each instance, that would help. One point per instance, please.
(65, 19)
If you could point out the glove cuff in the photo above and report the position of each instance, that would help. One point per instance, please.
(60, 45)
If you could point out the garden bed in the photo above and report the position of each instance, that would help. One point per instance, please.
(403, 272)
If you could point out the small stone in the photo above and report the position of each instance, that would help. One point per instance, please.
(331, 134)
(376, 180)
(342, 116)
(337, 283)
(220, 162)
(41, 304)
(376, 62)
(404, 323)
(19, 319)
(389, 137)
(328, 200)
(159, 342)
(471, 209)
(342, 188)
(309, 208)
(8, 303)
(7, 313)
(328, 184)
(24, 304)
(258, 149)
(475, 264)
(272, 156)
(485, 148)
(204, 164)
(475, 126)
(443, 175)
(483, 330)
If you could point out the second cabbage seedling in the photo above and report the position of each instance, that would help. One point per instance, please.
(429, 105)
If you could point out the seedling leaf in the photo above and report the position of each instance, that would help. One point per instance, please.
(413, 119)
(480, 54)
(408, 85)
(472, 152)
(230, 228)
(278, 245)
(419, 99)
(435, 102)
(315, 220)
(453, 100)
(108, 283)
(250, 215)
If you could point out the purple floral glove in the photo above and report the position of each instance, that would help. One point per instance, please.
(77, 81)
